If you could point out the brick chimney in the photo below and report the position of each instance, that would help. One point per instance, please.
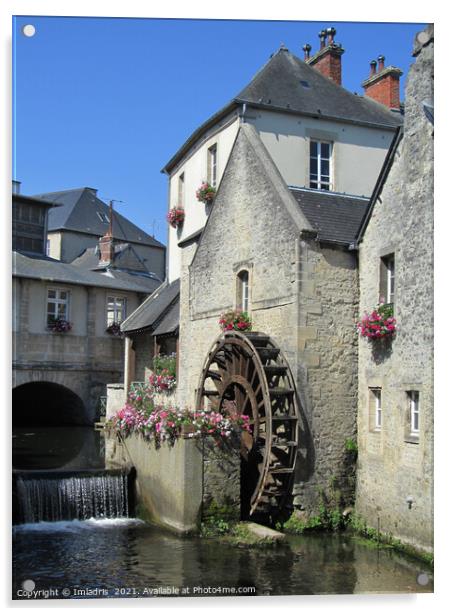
(383, 85)
(106, 249)
(328, 59)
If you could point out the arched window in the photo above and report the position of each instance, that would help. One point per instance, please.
(243, 292)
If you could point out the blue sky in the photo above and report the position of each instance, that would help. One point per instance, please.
(106, 102)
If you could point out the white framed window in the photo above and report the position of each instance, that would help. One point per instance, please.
(116, 310)
(57, 305)
(320, 165)
(413, 397)
(243, 290)
(212, 165)
(181, 191)
(375, 409)
(387, 279)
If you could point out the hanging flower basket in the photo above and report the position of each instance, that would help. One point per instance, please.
(379, 324)
(59, 326)
(235, 320)
(114, 329)
(176, 217)
(206, 193)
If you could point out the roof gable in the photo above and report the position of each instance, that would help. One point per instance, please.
(82, 211)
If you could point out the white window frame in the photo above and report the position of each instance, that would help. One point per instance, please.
(212, 165)
(116, 300)
(375, 408)
(389, 262)
(321, 184)
(181, 190)
(414, 412)
(57, 301)
(243, 290)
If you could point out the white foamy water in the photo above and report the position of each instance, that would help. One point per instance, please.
(74, 526)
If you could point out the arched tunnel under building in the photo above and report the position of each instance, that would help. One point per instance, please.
(51, 428)
(47, 404)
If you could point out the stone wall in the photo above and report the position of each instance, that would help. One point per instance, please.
(326, 368)
(393, 465)
(176, 485)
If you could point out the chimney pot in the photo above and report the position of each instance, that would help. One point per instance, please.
(331, 32)
(383, 85)
(322, 37)
(307, 49)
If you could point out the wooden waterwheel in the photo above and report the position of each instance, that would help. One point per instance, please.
(249, 370)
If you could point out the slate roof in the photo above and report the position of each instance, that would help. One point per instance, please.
(89, 260)
(170, 322)
(79, 212)
(278, 86)
(336, 217)
(151, 312)
(45, 268)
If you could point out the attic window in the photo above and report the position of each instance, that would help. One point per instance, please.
(103, 217)
(304, 83)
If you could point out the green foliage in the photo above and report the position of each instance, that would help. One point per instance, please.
(385, 540)
(217, 519)
(351, 446)
(165, 362)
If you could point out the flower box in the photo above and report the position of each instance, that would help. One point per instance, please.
(176, 217)
(237, 320)
(59, 326)
(114, 329)
(380, 323)
(206, 193)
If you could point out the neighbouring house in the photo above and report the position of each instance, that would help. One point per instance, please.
(82, 218)
(395, 393)
(267, 201)
(151, 330)
(66, 320)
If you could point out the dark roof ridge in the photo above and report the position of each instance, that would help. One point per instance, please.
(332, 193)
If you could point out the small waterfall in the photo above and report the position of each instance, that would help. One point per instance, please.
(44, 499)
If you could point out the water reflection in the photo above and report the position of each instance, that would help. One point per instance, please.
(128, 553)
(57, 447)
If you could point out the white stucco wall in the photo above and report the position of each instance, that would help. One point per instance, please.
(54, 244)
(354, 147)
(195, 171)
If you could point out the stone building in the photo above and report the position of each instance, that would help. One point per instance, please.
(65, 317)
(317, 192)
(395, 395)
(278, 242)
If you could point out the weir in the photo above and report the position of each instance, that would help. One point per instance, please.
(49, 497)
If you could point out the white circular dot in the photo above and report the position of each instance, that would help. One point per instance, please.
(422, 579)
(29, 30)
(28, 585)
